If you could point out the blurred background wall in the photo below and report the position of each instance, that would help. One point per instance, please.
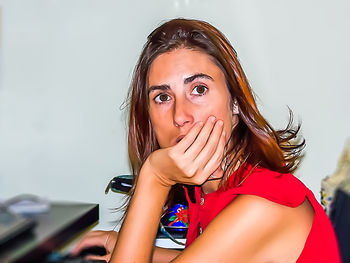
(66, 65)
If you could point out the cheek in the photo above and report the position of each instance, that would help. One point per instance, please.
(160, 135)
(220, 112)
(158, 119)
(162, 129)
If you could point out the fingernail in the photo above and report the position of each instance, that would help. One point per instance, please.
(220, 122)
(212, 118)
(200, 123)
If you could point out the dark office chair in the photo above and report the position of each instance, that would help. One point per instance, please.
(340, 217)
(172, 224)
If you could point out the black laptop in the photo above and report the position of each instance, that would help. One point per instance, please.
(13, 225)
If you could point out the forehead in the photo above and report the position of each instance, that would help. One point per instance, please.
(182, 63)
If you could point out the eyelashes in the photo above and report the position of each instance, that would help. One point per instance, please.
(163, 97)
(199, 90)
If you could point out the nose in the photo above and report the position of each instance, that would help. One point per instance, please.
(182, 114)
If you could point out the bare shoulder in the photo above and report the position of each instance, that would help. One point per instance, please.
(253, 229)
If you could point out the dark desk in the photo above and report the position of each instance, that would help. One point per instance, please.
(61, 224)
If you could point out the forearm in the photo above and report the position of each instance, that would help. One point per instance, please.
(139, 229)
(164, 255)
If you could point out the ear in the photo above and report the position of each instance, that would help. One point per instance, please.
(235, 109)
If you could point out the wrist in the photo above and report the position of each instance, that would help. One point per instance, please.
(146, 203)
(153, 174)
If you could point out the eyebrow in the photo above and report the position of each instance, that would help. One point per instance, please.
(186, 81)
(158, 87)
(197, 76)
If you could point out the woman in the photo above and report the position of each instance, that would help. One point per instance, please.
(194, 122)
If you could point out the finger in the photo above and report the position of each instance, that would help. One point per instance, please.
(190, 137)
(106, 258)
(214, 163)
(210, 148)
(93, 238)
(201, 139)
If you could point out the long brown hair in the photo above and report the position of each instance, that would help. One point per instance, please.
(253, 140)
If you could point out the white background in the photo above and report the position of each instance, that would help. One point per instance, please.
(66, 66)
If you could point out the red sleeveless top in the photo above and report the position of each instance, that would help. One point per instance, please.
(321, 244)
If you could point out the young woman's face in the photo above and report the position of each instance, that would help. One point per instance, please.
(185, 87)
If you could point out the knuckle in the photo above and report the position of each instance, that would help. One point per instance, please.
(198, 180)
(191, 172)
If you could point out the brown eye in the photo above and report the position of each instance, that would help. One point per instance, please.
(199, 90)
(161, 98)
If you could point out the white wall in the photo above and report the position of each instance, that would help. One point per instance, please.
(66, 67)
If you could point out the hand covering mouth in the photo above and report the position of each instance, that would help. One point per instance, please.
(179, 138)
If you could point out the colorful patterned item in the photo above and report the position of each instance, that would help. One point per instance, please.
(176, 218)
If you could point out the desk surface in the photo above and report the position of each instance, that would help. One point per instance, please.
(60, 224)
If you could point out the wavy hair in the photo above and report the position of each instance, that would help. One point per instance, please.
(252, 141)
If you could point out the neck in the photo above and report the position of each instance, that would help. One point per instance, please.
(213, 183)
